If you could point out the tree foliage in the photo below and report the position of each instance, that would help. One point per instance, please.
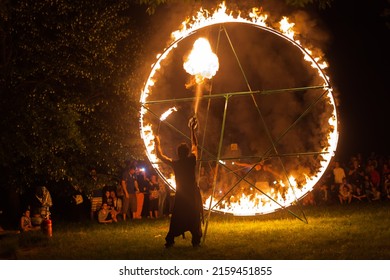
(69, 90)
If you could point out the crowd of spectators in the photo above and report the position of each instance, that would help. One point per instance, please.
(152, 199)
(358, 179)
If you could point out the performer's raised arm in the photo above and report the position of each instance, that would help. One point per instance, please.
(193, 125)
(159, 153)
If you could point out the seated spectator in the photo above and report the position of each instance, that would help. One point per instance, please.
(367, 186)
(25, 222)
(105, 216)
(323, 194)
(345, 192)
(359, 195)
(386, 186)
(116, 203)
(333, 193)
(375, 194)
(107, 198)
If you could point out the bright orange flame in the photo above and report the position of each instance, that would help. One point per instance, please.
(202, 62)
(165, 115)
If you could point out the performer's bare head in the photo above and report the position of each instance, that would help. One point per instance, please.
(183, 150)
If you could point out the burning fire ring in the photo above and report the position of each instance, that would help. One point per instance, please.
(147, 131)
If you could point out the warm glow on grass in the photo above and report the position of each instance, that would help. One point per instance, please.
(333, 232)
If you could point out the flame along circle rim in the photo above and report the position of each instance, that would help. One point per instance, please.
(307, 56)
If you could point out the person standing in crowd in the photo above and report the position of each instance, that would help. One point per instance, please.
(374, 176)
(142, 195)
(130, 188)
(338, 174)
(187, 209)
(153, 191)
(95, 187)
(162, 195)
(355, 174)
(116, 202)
(43, 196)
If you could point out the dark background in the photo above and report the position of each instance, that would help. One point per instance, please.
(358, 54)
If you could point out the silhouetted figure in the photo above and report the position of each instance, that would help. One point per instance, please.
(187, 209)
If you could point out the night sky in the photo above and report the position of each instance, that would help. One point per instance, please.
(358, 54)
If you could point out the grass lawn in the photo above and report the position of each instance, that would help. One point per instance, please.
(337, 232)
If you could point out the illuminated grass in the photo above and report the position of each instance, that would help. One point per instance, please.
(333, 232)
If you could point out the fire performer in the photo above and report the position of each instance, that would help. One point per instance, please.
(187, 210)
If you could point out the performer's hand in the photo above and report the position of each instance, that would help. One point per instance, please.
(193, 123)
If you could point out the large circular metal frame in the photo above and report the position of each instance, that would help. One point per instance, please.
(300, 169)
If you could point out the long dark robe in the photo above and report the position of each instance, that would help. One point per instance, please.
(187, 209)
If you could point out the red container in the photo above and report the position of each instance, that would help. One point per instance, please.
(47, 227)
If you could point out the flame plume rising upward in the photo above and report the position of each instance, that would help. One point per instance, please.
(202, 62)
(253, 203)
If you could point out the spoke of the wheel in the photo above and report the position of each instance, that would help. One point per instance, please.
(237, 93)
(238, 60)
(203, 140)
(217, 165)
(259, 158)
